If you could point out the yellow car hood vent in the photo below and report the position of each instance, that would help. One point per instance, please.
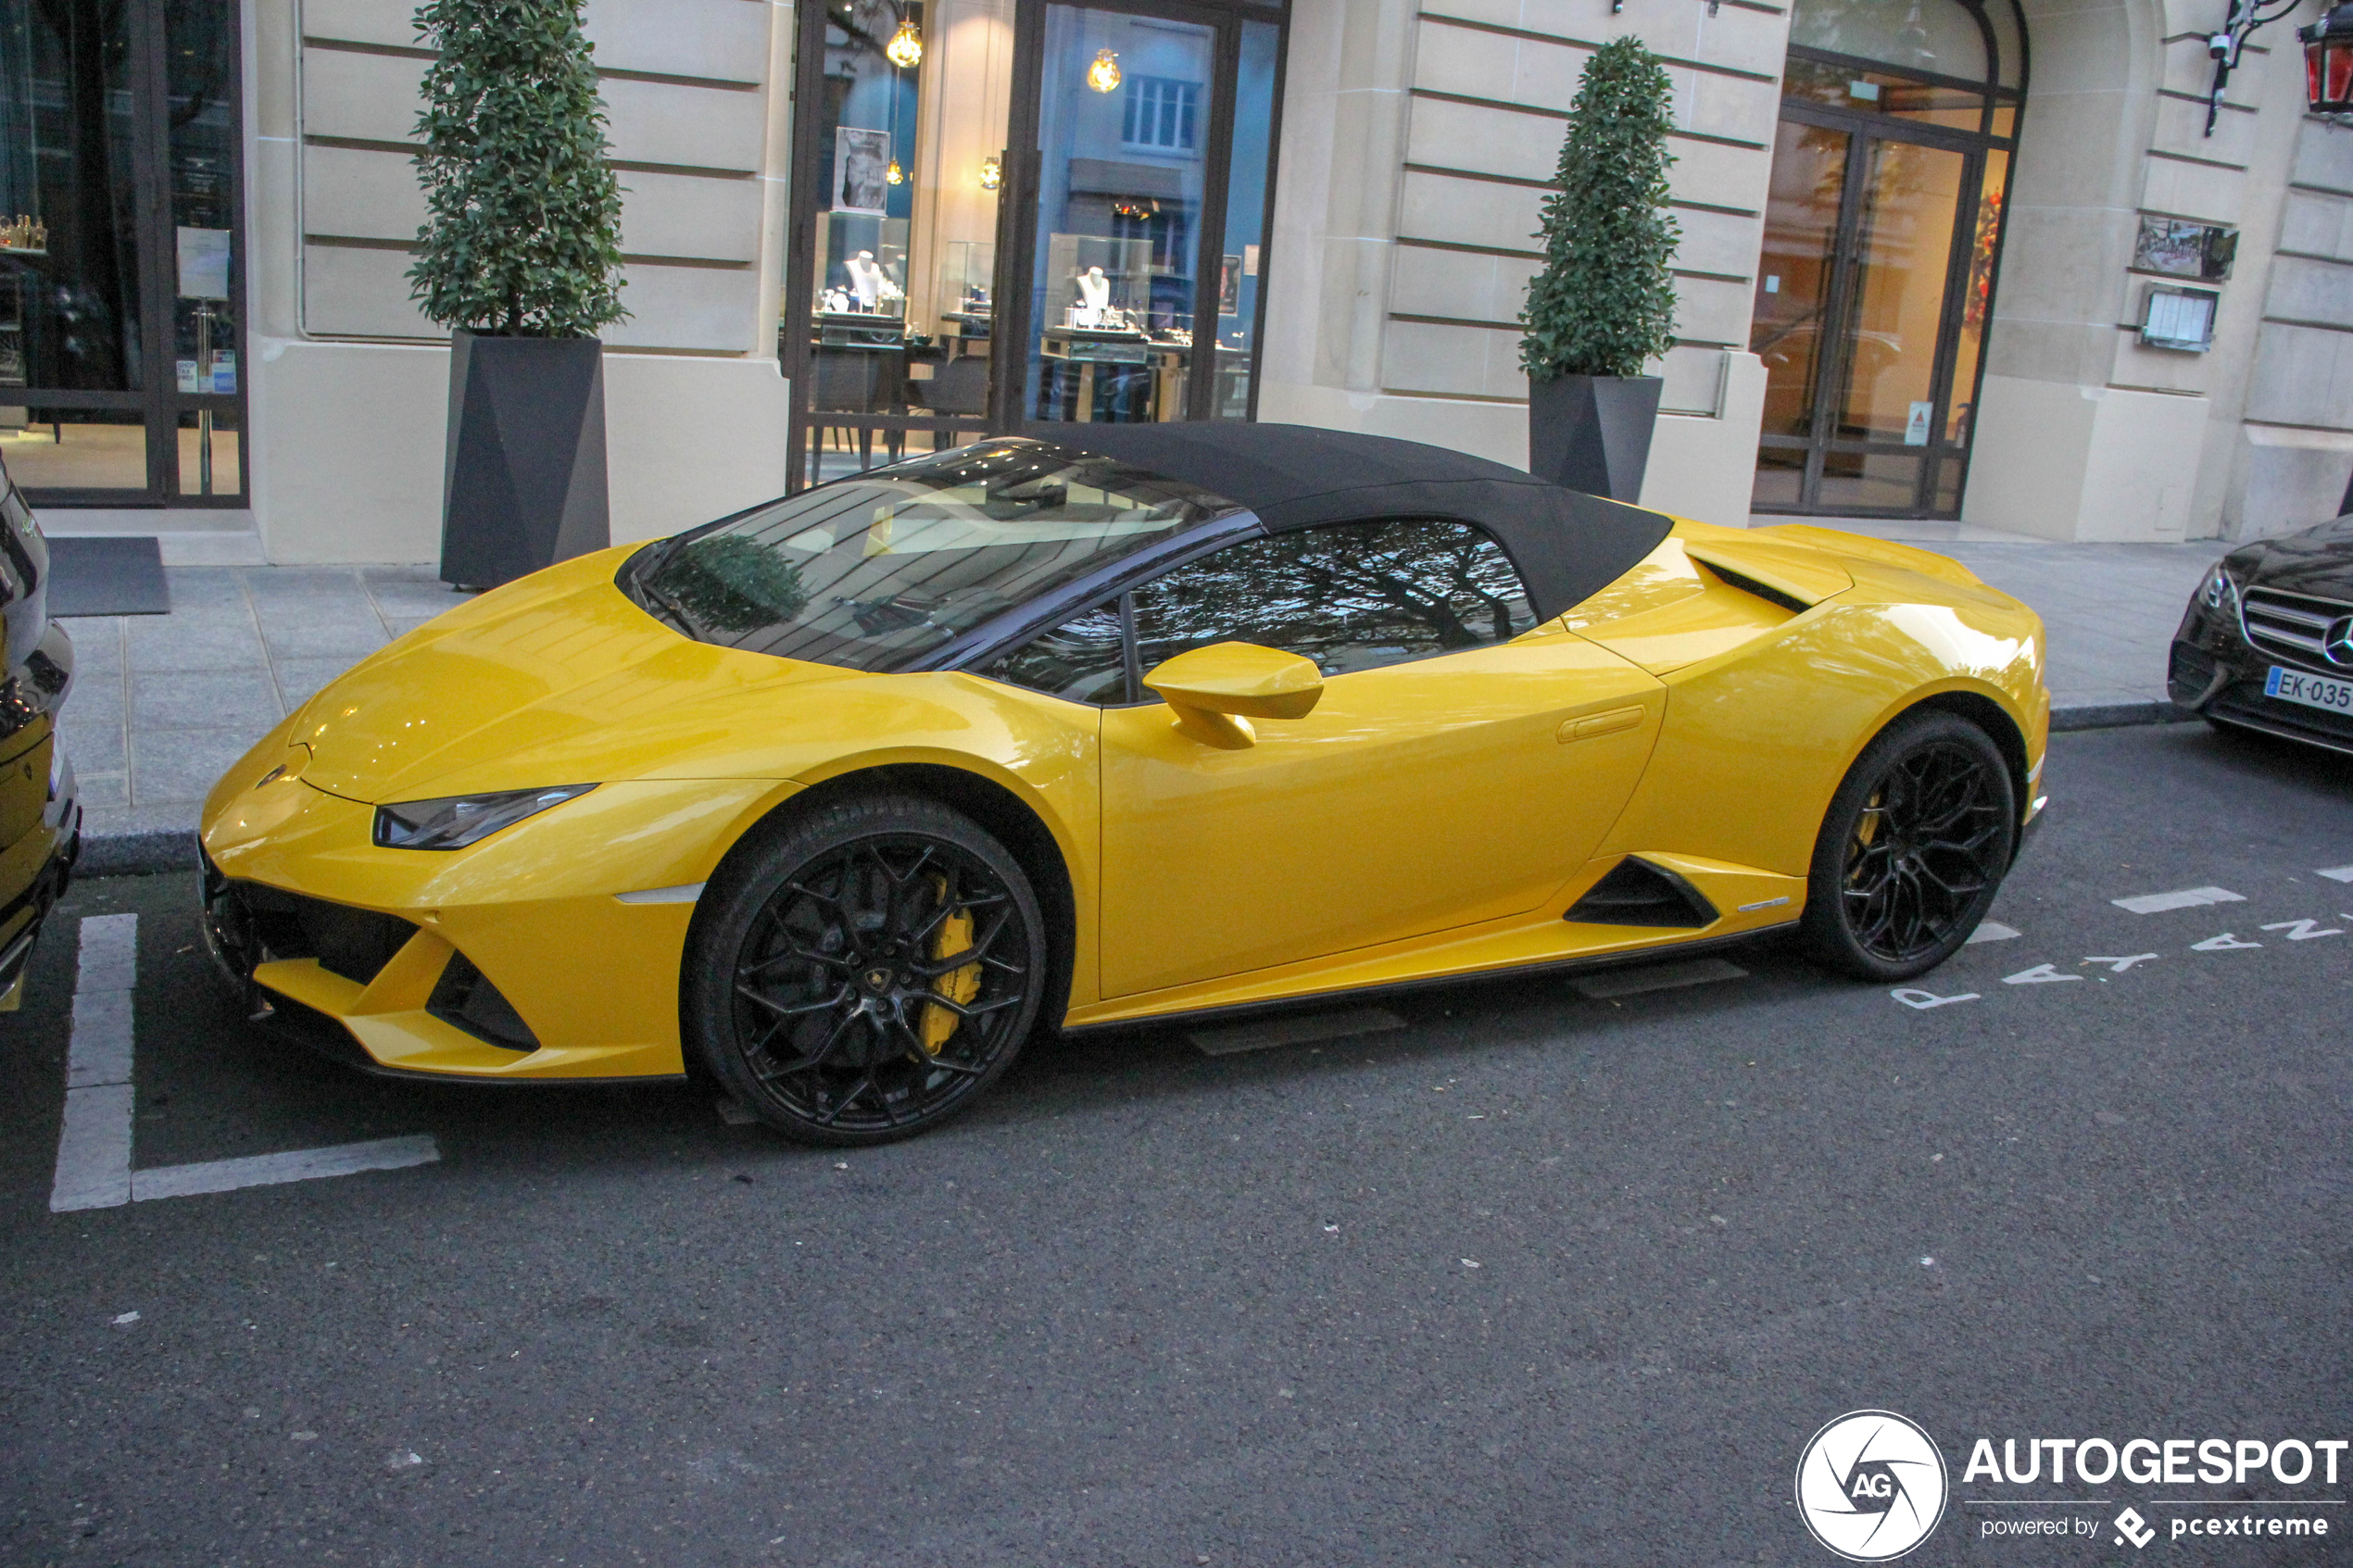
(542, 663)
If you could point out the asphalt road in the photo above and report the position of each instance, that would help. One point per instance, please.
(1538, 1279)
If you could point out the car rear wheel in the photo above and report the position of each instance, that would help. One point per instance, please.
(1913, 849)
(866, 974)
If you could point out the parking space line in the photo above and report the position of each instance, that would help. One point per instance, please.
(2337, 873)
(1991, 931)
(94, 1147)
(293, 1165)
(2182, 899)
(94, 1144)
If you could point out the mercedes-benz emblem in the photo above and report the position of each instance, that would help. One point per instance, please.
(2338, 641)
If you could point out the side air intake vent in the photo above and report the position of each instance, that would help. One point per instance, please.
(1771, 594)
(1637, 893)
(465, 997)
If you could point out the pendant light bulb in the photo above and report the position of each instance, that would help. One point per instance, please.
(1104, 75)
(895, 174)
(905, 49)
(993, 172)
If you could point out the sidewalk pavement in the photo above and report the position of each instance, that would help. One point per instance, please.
(163, 704)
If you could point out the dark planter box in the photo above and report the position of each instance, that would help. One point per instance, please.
(1593, 432)
(524, 477)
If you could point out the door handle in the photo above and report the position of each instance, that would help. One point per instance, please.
(1593, 724)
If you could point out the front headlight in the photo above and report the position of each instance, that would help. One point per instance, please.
(456, 820)
(2217, 592)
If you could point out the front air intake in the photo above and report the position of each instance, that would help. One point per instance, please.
(1637, 893)
(464, 996)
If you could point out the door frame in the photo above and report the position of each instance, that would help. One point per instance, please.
(1833, 374)
(1017, 218)
(1861, 126)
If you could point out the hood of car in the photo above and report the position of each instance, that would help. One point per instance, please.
(559, 670)
(2318, 562)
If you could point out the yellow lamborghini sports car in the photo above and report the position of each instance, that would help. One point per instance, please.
(841, 798)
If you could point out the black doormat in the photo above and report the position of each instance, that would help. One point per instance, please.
(106, 575)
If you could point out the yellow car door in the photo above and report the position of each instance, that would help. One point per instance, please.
(1459, 766)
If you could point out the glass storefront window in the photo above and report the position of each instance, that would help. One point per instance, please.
(120, 271)
(1788, 321)
(908, 161)
(1240, 266)
(70, 280)
(1936, 37)
(1881, 92)
(75, 448)
(1121, 178)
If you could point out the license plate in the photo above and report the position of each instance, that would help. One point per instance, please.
(2312, 691)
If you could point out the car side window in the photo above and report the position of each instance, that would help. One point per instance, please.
(1350, 596)
(1084, 659)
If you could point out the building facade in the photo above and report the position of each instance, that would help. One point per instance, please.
(2000, 262)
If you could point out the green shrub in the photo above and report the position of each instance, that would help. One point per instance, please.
(1604, 301)
(524, 234)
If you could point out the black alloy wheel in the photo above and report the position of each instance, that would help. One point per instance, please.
(865, 976)
(1913, 849)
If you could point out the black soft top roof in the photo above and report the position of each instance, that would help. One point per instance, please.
(1569, 545)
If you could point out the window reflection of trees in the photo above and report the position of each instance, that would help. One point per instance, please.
(1349, 597)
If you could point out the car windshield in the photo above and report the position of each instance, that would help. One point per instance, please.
(878, 570)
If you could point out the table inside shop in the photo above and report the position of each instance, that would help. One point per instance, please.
(1084, 349)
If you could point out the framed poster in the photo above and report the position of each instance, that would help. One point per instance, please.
(2181, 249)
(861, 171)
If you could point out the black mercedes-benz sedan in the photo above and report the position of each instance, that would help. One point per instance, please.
(2267, 642)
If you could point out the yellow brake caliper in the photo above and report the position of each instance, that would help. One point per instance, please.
(954, 937)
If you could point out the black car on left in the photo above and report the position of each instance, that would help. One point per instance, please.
(2267, 642)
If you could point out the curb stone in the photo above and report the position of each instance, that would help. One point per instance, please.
(155, 851)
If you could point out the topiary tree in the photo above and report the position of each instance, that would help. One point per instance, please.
(524, 236)
(1604, 301)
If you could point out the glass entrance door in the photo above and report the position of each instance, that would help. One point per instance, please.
(1882, 232)
(1860, 241)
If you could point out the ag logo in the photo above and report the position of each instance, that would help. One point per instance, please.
(1870, 1486)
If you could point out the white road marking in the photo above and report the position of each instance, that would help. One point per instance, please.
(2041, 974)
(2221, 944)
(2120, 965)
(733, 1114)
(2338, 874)
(2183, 899)
(1990, 931)
(94, 1145)
(293, 1165)
(1296, 1030)
(2305, 930)
(1658, 977)
(1912, 997)
(93, 1150)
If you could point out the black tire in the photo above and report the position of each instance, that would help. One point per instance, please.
(819, 988)
(1912, 850)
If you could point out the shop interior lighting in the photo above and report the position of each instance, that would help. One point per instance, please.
(905, 49)
(1104, 75)
(992, 171)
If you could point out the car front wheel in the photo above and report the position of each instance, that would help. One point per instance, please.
(865, 975)
(1913, 849)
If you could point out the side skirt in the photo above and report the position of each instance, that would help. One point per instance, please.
(1315, 1000)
